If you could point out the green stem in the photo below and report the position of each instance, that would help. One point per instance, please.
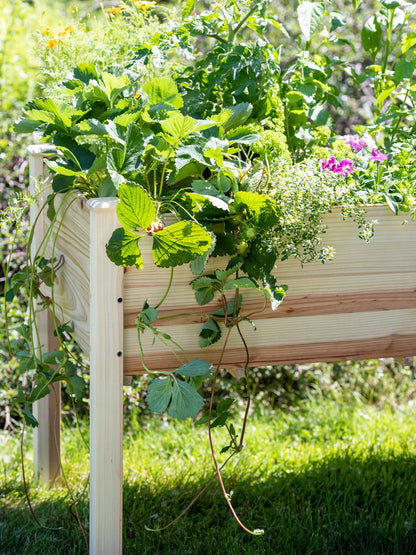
(233, 32)
(182, 314)
(167, 289)
(211, 443)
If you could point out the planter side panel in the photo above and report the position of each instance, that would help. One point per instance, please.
(360, 305)
(71, 291)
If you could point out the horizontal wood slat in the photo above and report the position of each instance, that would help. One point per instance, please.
(296, 306)
(281, 341)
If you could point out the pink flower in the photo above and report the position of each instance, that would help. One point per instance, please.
(355, 142)
(328, 164)
(378, 156)
(344, 167)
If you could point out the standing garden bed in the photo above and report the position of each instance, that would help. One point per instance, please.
(185, 219)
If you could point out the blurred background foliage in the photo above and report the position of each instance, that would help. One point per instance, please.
(40, 40)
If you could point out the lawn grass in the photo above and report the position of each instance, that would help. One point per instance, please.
(325, 478)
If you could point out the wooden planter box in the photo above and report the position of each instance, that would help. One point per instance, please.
(360, 305)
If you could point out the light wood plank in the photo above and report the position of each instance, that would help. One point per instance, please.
(366, 283)
(106, 387)
(47, 411)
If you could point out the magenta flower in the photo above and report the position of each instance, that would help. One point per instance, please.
(378, 156)
(343, 167)
(355, 142)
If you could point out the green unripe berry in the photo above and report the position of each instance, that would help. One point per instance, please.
(242, 247)
(251, 233)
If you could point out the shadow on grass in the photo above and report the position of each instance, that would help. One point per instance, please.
(339, 505)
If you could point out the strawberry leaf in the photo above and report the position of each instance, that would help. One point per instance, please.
(123, 249)
(180, 243)
(186, 402)
(135, 209)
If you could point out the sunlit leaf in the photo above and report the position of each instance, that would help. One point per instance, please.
(180, 243)
(309, 17)
(135, 209)
(276, 293)
(162, 93)
(241, 282)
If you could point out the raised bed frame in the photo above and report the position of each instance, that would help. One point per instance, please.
(360, 305)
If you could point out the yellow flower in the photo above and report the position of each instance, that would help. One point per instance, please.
(137, 95)
(47, 31)
(114, 11)
(144, 5)
(52, 43)
(68, 29)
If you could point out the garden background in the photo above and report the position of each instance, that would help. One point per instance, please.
(329, 459)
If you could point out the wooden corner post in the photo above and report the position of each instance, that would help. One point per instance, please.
(106, 386)
(47, 411)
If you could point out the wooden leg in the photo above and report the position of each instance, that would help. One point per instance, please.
(106, 388)
(47, 436)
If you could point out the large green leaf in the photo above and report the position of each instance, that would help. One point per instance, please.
(240, 113)
(159, 394)
(260, 260)
(115, 162)
(89, 127)
(62, 115)
(76, 385)
(261, 209)
(123, 120)
(179, 126)
(26, 125)
(123, 248)
(186, 402)
(180, 243)
(63, 169)
(189, 153)
(133, 148)
(114, 85)
(309, 17)
(136, 208)
(162, 94)
(84, 72)
(371, 35)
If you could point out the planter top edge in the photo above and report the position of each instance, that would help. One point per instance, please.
(40, 149)
(103, 203)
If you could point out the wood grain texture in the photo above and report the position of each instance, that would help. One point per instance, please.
(106, 386)
(360, 305)
(72, 283)
(376, 279)
(47, 411)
